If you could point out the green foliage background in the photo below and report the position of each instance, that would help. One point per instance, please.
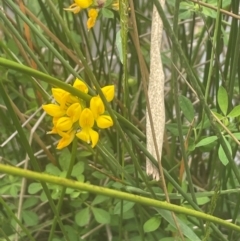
(81, 193)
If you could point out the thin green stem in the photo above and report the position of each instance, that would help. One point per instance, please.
(63, 192)
(28, 149)
(12, 215)
(113, 193)
(198, 90)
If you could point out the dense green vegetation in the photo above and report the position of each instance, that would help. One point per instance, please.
(103, 193)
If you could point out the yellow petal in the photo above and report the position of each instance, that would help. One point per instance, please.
(97, 106)
(115, 5)
(88, 135)
(73, 8)
(74, 111)
(53, 131)
(64, 124)
(66, 140)
(94, 137)
(83, 3)
(92, 14)
(83, 135)
(108, 92)
(58, 94)
(53, 110)
(80, 85)
(104, 121)
(86, 119)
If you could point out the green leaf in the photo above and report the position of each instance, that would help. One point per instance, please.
(12, 46)
(78, 169)
(126, 206)
(29, 217)
(222, 99)
(186, 107)
(221, 154)
(99, 199)
(107, 13)
(84, 154)
(219, 116)
(214, 3)
(169, 239)
(209, 12)
(119, 45)
(101, 216)
(152, 224)
(35, 187)
(185, 14)
(202, 200)
(237, 135)
(205, 123)
(80, 178)
(14, 190)
(72, 233)
(82, 218)
(173, 128)
(53, 170)
(206, 141)
(30, 202)
(43, 197)
(30, 92)
(108, 3)
(98, 175)
(234, 112)
(75, 194)
(64, 159)
(187, 231)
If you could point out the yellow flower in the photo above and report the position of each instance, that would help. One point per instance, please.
(54, 110)
(74, 111)
(64, 124)
(108, 92)
(67, 138)
(92, 14)
(70, 117)
(115, 5)
(83, 3)
(54, 129)
(58, 94)
(97, 108)
(86, 122)
(79, 5)
(80, 85)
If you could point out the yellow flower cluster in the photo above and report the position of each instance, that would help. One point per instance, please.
(72, 117)
(94, 6)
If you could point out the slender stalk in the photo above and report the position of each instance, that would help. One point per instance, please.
(60, 201)
(113, 193)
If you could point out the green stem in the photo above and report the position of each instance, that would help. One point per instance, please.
(60, 201)
(213, 53)
(12, 215)
(124, 33)
(198, 90)
(113, 193)
(28, 149)
(55, 82)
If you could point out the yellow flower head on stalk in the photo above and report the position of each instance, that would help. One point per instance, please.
(66, 113)
(79, 5)
(92, 16)
(71, 117)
